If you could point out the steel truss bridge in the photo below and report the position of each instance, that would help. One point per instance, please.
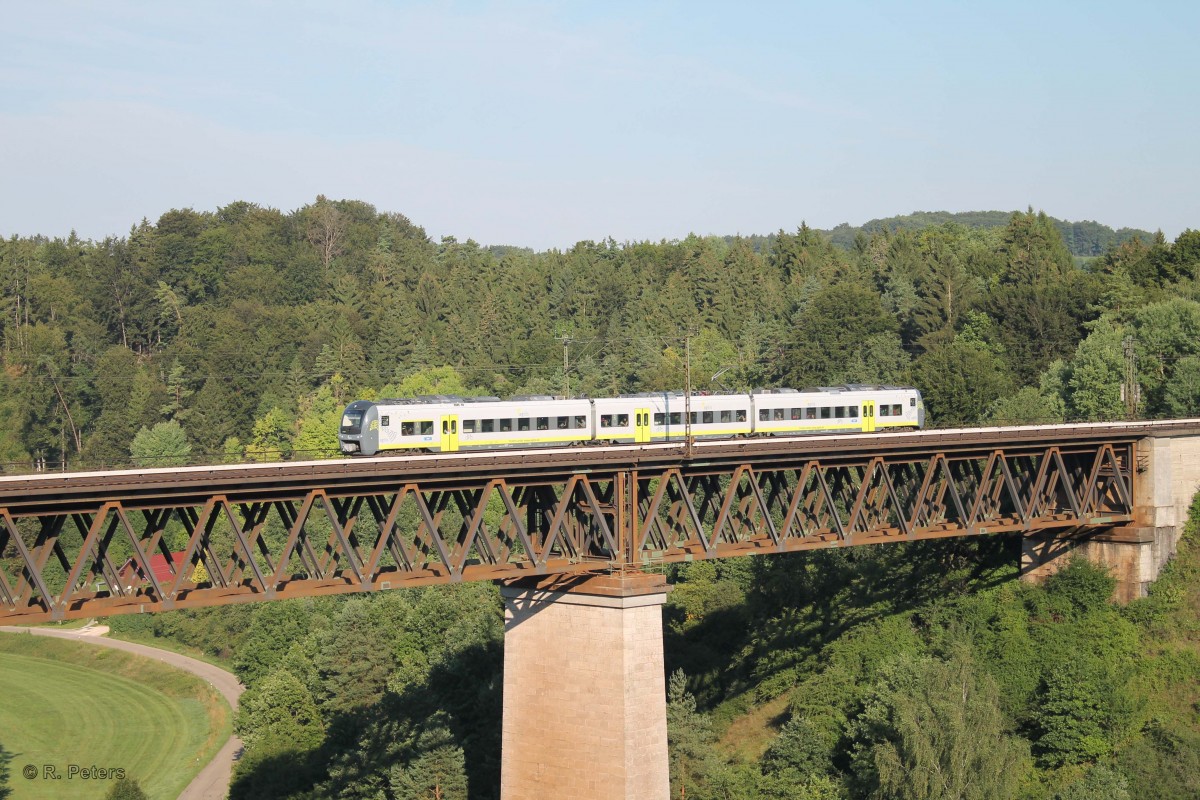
(84, 544)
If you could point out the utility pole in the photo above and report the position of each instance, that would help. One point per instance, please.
(566, 340)
(1131, 392)
(687, 397)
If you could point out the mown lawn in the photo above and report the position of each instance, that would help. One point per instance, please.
(64, 703)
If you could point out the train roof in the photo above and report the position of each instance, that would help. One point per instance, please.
(433, 399)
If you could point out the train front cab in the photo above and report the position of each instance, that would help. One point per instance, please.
(359, 431)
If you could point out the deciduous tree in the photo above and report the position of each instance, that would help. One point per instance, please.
(164, 445)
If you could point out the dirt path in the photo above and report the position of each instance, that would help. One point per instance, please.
(213, 781)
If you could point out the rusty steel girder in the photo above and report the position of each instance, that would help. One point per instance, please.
(87, 547)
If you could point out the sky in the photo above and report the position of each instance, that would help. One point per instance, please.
(541, 124)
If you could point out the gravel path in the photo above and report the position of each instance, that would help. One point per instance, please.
(213, 781)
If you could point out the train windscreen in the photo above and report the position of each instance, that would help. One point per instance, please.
(352, 421)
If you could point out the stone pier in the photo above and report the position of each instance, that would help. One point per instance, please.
(584, 689)
(1166, 477)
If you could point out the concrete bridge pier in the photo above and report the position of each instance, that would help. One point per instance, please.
(585, 714)
(1166, 476)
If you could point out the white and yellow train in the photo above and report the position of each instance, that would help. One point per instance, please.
(448, 424)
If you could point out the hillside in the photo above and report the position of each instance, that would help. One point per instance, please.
(1084, 240)
(240, 334)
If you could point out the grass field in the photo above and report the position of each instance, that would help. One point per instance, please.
(64, 703)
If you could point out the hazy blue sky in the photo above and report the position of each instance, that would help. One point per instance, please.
(545, 123)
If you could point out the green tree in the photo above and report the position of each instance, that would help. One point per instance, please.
(437, 770)
(803, 254)
(426, 381)
(831, 331)
(317, 428)
(178, 392)
(126, 789)
(1100, 783)
(1072, 716)
(1097, 371)
(271, 439)
(5, 760)
(279, 711)
(275, 628)
(959, 381)
(689, 736)
(1181, 396)
(1166, 333)
(164, 445)
(806, 745)
(354, 661)
(933, 729)
(1028, 406)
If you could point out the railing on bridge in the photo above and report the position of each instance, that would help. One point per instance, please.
(86, 545)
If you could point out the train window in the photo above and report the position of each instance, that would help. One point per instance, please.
(912, 402)
(408, 428)
(885, 410)
(764, 414)
(695, 418)
(726, 416)
(580, 421)
(795, 413)
(351, 421)
(606, 420)
(897, 410)
(852, 411)
(468, 426)
(622, 420)
(824, 412)
(707, 417)
(487, 425)
(426, 427)
(522, 423)
(739, 415)
(562, 423)
(810, 413)
(543, 423)
(777, 414)
(675, 418)
(385, 420)
(505, 425)
(660, 419)
(839, 412)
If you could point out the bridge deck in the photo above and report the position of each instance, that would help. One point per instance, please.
(82, 544)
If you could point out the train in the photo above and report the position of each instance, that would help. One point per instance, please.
(447, 424)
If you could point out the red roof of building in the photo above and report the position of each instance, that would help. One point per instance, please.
(158, 564)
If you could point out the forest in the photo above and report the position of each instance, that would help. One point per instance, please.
(923, 670)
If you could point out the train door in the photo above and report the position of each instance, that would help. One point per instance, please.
(868, 416)
(641, 429)
(449, 434)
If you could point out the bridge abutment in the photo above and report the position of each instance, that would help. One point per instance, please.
(1166, 477)
(584, 689)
